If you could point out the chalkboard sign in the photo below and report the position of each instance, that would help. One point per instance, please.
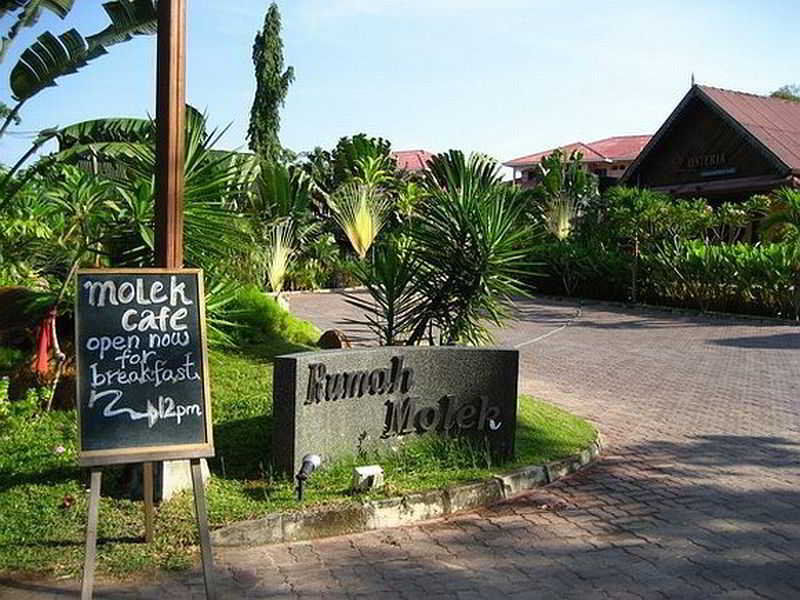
(142, 366)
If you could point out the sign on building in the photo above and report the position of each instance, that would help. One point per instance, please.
(339, 402)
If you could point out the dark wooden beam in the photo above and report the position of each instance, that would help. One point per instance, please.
(170, 135)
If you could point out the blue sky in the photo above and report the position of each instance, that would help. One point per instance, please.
(505, 77)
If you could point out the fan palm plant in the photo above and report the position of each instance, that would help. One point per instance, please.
(278, 209)
(361, 211)
(280, 249)
(564, 188)
(558, 216)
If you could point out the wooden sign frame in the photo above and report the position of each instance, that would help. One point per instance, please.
(144, 454)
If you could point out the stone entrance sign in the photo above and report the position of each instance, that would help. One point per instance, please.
(338, 402)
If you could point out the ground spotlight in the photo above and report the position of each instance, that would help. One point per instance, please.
(310, 463)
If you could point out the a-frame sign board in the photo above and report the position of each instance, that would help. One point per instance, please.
(142, 379)
(168, 426)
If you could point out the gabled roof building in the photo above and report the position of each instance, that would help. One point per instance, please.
(608, 158)
(722, 145)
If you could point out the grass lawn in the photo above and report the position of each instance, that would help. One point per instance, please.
(43, 496)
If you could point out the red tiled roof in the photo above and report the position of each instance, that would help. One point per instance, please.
(621, 147)
(772, 121)
(412, 160)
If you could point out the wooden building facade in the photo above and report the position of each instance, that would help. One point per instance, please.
(722, 145)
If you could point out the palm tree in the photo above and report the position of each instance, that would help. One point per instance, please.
(564, 188)
(277, 202)
(361, 211)
(783, 223)
(470, 248)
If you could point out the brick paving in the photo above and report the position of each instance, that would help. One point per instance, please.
(697, 497)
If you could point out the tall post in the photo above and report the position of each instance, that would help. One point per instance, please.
(170, 138)
(170, 132)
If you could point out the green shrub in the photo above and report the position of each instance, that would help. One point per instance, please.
(759, 279)
(456, 270)
(259, 318)
(20, 412)
(573, 267)
(9, 358)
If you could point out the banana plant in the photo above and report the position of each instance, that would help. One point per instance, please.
(52, 57)
(783, 220)
(106, 139)
(28, 15)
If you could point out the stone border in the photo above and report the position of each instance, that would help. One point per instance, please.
(402, 510)
(358, 288)
(580, 301)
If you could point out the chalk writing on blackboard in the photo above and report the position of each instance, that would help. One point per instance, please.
(142, 372)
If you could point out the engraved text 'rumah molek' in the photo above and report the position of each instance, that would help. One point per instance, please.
(401, 416)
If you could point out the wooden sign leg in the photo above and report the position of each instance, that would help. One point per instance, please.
(87, 585)
(202, 525)
(147, 474)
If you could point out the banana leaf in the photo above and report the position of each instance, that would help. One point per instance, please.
(128, 18)
(31, 9)
(47, 59)
(51, 57)
(96, 131)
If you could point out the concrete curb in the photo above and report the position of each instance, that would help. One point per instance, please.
(401, 510)
(358, 288)
(674, 310)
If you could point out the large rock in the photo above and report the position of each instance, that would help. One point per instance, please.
(334, 339)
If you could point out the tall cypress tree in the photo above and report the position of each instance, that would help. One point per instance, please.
(272, 83)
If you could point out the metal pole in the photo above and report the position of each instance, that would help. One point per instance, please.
(170, 132)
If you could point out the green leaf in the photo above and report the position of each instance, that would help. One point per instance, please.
(29, 16)
(48, 59)
(51, 57)
(128, 18)
(135, 131)
(59, 7)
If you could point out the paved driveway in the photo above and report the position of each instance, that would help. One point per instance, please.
(697, 497)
